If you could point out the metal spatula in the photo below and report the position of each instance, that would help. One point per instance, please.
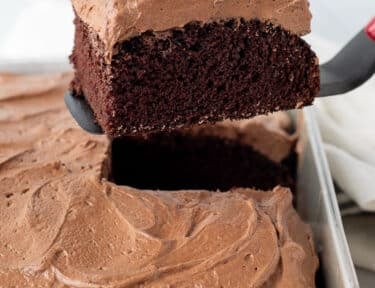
(349, 69)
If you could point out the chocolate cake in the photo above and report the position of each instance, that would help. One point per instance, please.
(217, 157)
(148, 66)
(63, 223)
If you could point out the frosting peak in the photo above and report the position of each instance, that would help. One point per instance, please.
(117, 20)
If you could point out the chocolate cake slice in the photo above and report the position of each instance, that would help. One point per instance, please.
(147, 66)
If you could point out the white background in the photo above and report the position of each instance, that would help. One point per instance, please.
(35, 29)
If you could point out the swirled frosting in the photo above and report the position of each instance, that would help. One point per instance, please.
(62, 224)
(117, 20)
(266, 134)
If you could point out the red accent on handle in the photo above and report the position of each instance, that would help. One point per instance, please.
(370, 29)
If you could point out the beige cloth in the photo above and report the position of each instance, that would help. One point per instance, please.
(347, 125)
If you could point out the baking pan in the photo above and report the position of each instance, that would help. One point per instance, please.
(317, 204)
(316, 200)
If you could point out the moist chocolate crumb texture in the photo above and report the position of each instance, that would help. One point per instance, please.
(63, 223)
(156, 65)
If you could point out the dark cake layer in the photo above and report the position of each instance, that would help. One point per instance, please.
(195, 74)
(173, 161)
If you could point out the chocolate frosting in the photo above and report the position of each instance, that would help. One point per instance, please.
(117, 20)
(62, 224)
(266, 134)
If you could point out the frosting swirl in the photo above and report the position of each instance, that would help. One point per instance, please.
(63, 225)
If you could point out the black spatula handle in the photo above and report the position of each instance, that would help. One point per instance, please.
(352, 66)
(82, 113)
